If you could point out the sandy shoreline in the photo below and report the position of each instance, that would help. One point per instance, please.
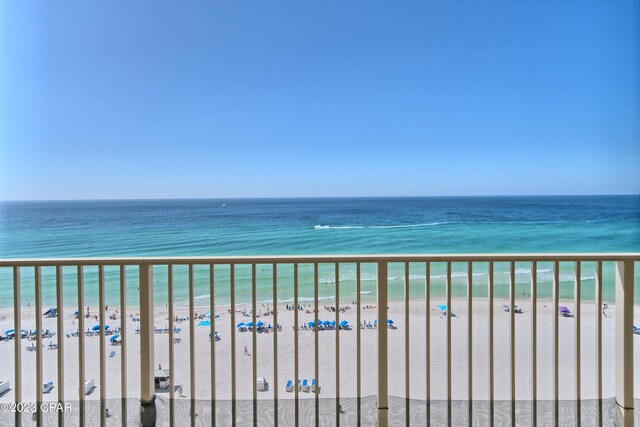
(327, 353)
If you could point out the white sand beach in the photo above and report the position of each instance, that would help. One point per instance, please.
(327, 353)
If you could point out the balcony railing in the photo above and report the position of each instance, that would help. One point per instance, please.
(433, 397)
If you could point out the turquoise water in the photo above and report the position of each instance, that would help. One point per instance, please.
(315, 226)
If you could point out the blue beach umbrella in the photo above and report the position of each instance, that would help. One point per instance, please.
(375, 322)
(311, 324)
(442, 307)
(344, 323)
(106, 326)
(9, 331)
(250, 324)
(333, 323)
(95, 328)
(240, 324)
(260, 323)
(326, 323)
(390, 322)
(113, 338)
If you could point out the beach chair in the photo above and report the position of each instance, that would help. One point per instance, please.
(305, 385)
(112, 354)
(636, 330)
(289, 386)
(313, 385)
(46, 387)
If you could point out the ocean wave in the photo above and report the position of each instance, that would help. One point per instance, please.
(346, 227)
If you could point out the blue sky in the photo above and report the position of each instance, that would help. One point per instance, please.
(160, 99)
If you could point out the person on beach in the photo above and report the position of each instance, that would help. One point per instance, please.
(604, 310)
(246, 351)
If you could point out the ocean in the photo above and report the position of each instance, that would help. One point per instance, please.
(391, 225)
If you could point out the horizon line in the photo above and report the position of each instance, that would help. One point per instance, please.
(318, 197)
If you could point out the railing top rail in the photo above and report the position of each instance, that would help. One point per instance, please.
(308, 259)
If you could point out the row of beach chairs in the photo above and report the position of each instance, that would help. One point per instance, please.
(304, 386)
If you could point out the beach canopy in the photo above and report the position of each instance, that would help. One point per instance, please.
(311, 324)
(114, 337)
(240, 324)
(563, 309)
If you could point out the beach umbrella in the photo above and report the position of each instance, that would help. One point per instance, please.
(442, 307)
(390, 322)
(9, 331)
(344, 323)
(95, 328)
(375, 322)
(250, 324)
(311, 324)
(114, 337)
(333, 323)
(326, 323)
(240, 324)
(563, 309)
(106, 326)
(260, 323)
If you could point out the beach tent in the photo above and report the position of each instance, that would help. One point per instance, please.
(52, 312)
